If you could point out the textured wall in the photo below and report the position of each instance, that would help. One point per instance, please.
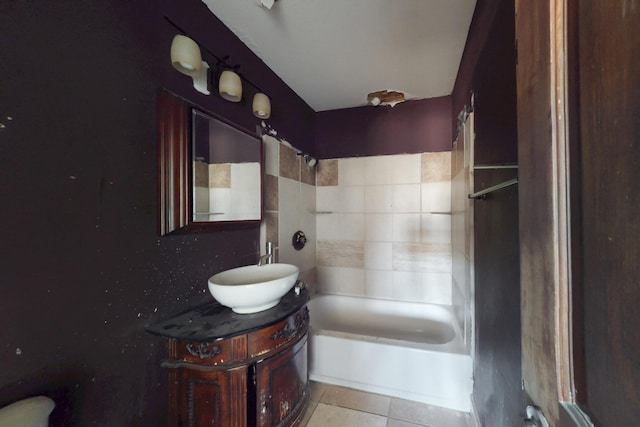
(83, 269)
(483, 16)
(497, 358)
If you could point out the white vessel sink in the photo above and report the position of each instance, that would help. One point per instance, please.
(253, 288)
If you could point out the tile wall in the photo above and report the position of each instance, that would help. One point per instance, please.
(384, 227)
(233, 191)
(390, 227)
(226, 191)
(201, 199)
(289, 206)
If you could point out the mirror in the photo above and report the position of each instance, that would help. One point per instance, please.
(209, 172)
(226, 171)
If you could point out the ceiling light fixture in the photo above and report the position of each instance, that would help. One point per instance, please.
(385, 97)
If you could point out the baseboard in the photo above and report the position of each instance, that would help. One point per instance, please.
(452, 404)
(572, 415)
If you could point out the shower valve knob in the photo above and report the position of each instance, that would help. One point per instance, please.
(298, 240)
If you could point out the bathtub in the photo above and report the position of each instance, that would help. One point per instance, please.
(406, 350)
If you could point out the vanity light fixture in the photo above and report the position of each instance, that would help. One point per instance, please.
(230, 86)
(185, 55)
(261, 106)
(187, 58)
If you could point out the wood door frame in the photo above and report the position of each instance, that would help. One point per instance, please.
(566, 130)
(551, 364)
(562, 181)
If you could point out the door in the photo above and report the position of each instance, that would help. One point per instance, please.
(282, 387)
(609, 195)
(579, 202)
(201, 397)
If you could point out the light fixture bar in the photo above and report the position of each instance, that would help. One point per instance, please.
(220, 62)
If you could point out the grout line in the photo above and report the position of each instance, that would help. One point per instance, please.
(313, 410)
(328, 388)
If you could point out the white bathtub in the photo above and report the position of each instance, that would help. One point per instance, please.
(406, 350)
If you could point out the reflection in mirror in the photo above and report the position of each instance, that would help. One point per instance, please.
(226, 171)
(177, 179)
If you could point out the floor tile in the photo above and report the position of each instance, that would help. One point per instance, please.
(422, 414)
(398, 423)
(307, 416)
(336, 406)
(358, 400)
(317, 390)
(335, 416)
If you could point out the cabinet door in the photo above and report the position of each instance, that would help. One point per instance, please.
(282, 387)
(203, 398)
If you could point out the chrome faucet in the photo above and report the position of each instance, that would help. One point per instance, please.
(267, 258)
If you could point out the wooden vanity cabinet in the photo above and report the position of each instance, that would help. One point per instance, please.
(281, 384)
(207, 397)
(257, 377)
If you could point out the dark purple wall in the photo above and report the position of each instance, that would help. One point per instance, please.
(416, 126)
(82, 268)
(483, 17)
(494, 85)
(497, 361)
(219, 142)
(291, 116)
(410, 127)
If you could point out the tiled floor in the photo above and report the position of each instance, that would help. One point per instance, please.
(343, 407)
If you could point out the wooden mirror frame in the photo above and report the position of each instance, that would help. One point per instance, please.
(174, 170)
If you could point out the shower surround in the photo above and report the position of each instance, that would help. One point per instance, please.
(377, 226)
(384, 227)
(384, 236)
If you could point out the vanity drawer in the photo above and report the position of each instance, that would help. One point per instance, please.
(209, 353)
(286, 331)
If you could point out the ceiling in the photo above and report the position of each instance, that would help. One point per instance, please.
(332, 53)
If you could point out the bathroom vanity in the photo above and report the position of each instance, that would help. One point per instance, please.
(229, 369)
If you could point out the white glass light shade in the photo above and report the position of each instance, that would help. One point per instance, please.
(185, 55)
(261, 106)
(230, 86)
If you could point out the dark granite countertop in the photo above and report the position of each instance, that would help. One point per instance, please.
(213, 321)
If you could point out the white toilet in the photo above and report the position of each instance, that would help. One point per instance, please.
(31, 412)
